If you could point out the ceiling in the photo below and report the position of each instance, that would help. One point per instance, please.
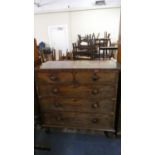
(69, 5)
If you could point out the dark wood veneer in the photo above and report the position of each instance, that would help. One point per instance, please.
(78, 94)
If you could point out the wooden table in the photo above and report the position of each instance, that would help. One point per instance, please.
(110, 48)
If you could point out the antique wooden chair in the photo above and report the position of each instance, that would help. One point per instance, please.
(81, 52)
(105, 42)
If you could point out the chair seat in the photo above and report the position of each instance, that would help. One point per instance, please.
(82, 51)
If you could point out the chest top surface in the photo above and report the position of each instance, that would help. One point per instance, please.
(106, 64)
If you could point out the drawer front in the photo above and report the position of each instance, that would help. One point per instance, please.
(86, 91)
(78, 105)
(96, 76)
(79, 120)
(52, 77)
(81, 76)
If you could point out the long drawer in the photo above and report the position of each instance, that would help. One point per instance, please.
(104, 91)
(92, 105)
(79, 120)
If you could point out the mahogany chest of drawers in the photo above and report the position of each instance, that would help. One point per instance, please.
(78, 94)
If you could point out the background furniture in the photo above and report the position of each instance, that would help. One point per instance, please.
(83, 51)
(36, 54)
(108, 52)
(47, 54)
(37, 61)
(78, 94)
(37, 145)
(119, 45)
(119, 101)
(90, 47)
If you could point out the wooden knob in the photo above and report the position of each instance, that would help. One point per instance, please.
(95, 120)
(95, 91)
(95, 105)
(95, 77)
(57, 105)
(76, 83)
(55, 90)
(59, 118)
(53, 77)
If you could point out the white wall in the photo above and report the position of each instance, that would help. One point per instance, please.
(79, 22)
(42, 21)
(87, 22)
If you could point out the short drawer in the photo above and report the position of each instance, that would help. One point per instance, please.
(52, 77)
(78, 104)
(96, 76)
(85, 91)
(79, 120)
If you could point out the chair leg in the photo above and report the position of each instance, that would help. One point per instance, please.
(103, 54)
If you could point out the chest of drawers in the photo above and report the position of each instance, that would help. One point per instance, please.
(78, 94)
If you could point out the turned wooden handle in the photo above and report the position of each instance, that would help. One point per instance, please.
(55, 90)
(95, 77)
(57, 105)
(59, 118)
(53, 77)
(95, 120)
(95, 91)
(95, 105)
